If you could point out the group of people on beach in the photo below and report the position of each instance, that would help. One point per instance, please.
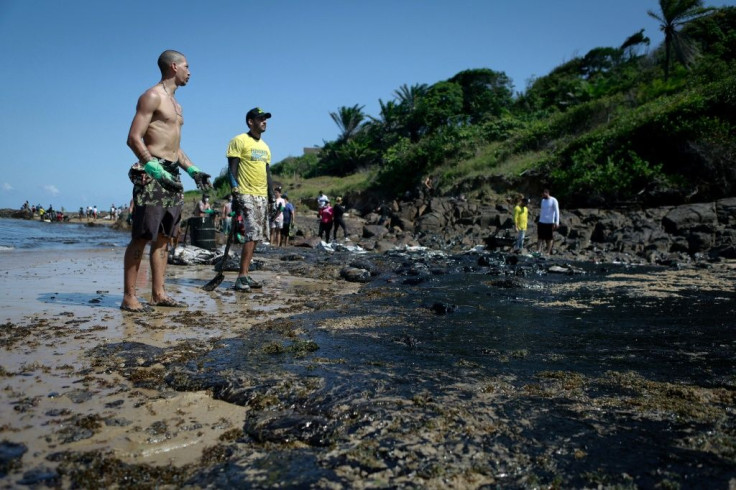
(45, 214)
(330, 216)
(155, 139)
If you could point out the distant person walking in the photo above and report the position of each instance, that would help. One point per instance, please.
(249, 170)
(155, 137)
(338, 211)
(277, 220)
(289, 220)
(325, 215)
(521, 220)
(549, 221)
(427, 187)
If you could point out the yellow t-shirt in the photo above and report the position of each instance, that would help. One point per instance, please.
(254, 155)
(521, 217)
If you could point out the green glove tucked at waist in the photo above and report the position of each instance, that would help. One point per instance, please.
(164, 178)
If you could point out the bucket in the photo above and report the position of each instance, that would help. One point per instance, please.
(202, 232)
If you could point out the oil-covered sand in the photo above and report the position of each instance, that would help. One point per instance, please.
(444, 371)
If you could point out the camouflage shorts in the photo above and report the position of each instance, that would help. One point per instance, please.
(255, 218)
(148, 192)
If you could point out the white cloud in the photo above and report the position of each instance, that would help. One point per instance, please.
(51, 189)
(7, 187)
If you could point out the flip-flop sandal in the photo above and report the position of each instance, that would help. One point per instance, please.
(141, 309)
(170, 303)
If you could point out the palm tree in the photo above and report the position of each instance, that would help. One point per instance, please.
(675, 14)
(348, 119)
(408, 98)
(632, 42)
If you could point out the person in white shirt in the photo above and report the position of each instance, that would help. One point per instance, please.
(549, 221)
(322, 200)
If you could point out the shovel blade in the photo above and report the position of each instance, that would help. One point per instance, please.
(212, 285)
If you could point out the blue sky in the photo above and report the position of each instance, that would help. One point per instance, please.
(73, 70)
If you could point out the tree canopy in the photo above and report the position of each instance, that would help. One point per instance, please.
(615, 124)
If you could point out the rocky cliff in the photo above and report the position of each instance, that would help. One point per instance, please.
(653, 234)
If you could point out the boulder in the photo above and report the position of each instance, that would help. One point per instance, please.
(684, 218)
(726, 211)
(355, 274)
(385, 245)
(374, 231)
(432, 223)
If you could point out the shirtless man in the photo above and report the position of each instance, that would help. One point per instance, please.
(154, 137)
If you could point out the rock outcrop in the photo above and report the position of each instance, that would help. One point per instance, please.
(699, 229)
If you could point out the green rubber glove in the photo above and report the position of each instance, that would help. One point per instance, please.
(156, 171)
(200, 178)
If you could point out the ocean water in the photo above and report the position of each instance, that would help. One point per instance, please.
(19, 234)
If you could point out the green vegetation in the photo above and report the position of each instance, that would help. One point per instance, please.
(617, 125)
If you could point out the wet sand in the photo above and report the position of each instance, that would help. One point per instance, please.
(55, 307)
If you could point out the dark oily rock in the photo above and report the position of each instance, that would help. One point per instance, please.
(25, 404)
(10, 456)
(408, 340)
(442, 308)
(288, 427)
(509, 283)
(128, 354)
(292, 258)
(413, 281)
(564, 269)
(700, 242)
(58, 412)
(385, 245)
(353, 274)
(364, 263)
(374, 231)
(726, 211)
(294, 468)
(684, 218)
(432, 223)
(232, 263)
(79, 396)
(309, 242)
(40, 476)
(16, 213)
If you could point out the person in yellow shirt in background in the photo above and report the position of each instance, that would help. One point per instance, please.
(521, 219)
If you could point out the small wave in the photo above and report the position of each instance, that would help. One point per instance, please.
(108, 244)
(6, 249)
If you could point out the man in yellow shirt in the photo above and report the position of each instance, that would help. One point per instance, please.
(521, 219)
(249, 165)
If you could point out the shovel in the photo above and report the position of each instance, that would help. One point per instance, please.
(217, 280)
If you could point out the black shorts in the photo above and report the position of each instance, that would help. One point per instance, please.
(545, 230)
(149, 221)
(285, 229)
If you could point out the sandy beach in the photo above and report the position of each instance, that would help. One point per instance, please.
(60, 305)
